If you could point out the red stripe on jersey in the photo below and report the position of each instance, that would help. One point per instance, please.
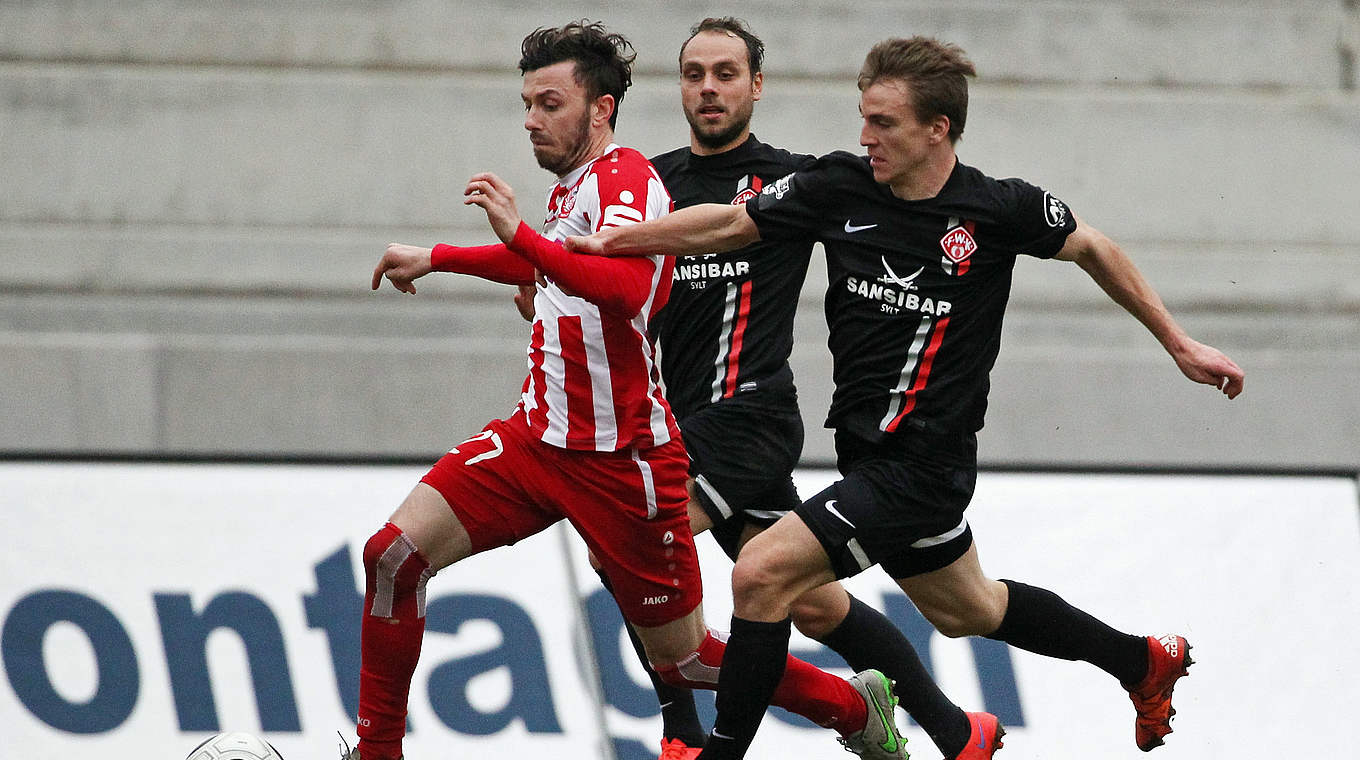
(969, 225)
(629, 375)
(738, 332)
(922, 374)
(577, 383)
(538, 416)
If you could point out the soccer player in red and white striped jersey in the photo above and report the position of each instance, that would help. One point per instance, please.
(592, 440)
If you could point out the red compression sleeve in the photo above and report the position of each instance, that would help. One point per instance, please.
(618, 284)
(491, 262)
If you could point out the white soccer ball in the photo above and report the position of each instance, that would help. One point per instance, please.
(234, 745)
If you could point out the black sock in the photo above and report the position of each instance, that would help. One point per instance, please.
(751, 670)
(867, 639)
(1039, 621)
(679, 719)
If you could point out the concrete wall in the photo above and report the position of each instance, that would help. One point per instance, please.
(194, 195)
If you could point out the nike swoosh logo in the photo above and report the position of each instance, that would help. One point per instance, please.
(982, 739)
(858, 227)
(831, 507)
(717, 735)
(889, 746)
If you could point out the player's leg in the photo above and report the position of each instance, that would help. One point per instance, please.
(648, 554)
(396, 568)
(752, 669)
(682, 735)
(865, 638)
(909, 520)
(862, 706)
(959, 600)
(441, 521)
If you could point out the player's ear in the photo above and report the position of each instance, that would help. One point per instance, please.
(939, 128)
(757, 84)
(601, 109)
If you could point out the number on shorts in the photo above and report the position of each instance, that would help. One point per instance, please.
(482, 436)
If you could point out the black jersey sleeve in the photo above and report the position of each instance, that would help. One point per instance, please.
(1039, 221)
(795, 205)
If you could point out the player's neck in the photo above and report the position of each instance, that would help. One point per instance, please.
(593, 149)
(926, 179)
(700, 149)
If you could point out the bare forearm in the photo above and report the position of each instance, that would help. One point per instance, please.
(1117, 275)
(1100, 258)
(705, 228)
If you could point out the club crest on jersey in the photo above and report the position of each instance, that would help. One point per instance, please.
(1055, 211)
(958, 245)
(748, 187)
(568, 203)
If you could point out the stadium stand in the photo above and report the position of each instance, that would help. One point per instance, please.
(195, 194)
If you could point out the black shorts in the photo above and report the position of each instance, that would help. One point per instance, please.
(742, 457)
(899, 503)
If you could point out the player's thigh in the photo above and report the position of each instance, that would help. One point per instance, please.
(776, 567)
(426, 518)
(490, 489)
(904, 514)
(958, 599)
(699, 520)
(817, 611)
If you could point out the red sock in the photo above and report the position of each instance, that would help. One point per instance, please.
(393, 626)
(824, 699)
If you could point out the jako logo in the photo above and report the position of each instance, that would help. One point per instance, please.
(656, 599)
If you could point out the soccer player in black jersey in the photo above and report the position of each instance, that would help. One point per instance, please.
(920, 250)
(725, 335)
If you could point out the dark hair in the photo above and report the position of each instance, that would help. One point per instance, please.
(604, 61)
(933, 70)
(755, 49)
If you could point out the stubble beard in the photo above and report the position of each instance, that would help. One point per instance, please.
(560, 165)
(716, 140)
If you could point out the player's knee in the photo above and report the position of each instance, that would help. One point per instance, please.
(813, 618)
(396, 574)
(957, 621)
(757, 580)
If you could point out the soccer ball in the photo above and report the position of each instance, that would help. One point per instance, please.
(234, 745)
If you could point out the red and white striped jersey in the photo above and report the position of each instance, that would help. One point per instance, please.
(593, 382)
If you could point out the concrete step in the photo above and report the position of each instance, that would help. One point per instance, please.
(287, 376)
(1257, 43)
(353, 151)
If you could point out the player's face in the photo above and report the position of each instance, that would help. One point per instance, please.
(717, 90)
(558, 116)
(897, 142)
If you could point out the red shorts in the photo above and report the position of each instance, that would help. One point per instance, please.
(504, 484)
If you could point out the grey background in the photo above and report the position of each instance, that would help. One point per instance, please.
(193, 196)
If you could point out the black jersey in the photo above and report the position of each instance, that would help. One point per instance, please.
(916, 289)
(727, 330)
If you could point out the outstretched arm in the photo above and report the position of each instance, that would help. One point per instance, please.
(705, 228)
(404, 264)
(1116, 274)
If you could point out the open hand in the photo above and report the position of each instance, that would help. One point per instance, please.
(497, 199)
